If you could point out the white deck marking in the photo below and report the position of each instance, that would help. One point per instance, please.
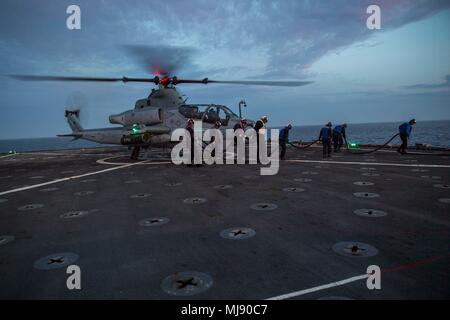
(9, 155)
(319, 288)
(67, 179)
(365, 163)
(104, 161)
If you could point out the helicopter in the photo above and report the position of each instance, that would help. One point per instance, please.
(153, 118)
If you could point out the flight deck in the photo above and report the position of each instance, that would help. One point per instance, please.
(150, 229)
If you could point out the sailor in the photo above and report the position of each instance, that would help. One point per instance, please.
(325, 136)
(339, 136)
(216, 126)
(240, 125)
(405, 131)
(283, 139)
(259, 128)
(190, 129)
(260, 123)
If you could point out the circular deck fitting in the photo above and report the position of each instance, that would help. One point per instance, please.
(55, 261)
(74, 214)
(372, 213)
(30, 207)
(293, 189)
(442, 186)
(264, 206)
(369, 169)
(37, 177)
(3, 200)
(153, 222)
(133, 181)
(140, 195)
(195, 200)
(355, 249)
(445, 200)
(49, 189)
(237, 233)
(310, 172)
(363, 183)
(173, 184)
(4, 239)
(303, 180)
(186, 283)
(223, 186)
(366, 195)
(88, 180)
(83, 193)
(370, 174)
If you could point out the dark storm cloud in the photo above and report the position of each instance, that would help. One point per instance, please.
(290, 34)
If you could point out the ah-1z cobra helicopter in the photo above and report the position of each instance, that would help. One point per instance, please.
(153, 118)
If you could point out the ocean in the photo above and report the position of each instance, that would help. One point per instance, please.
(435, 133)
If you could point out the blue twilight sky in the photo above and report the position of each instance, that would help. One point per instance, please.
(360, 75)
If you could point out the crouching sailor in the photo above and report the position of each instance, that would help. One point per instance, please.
(405, 131)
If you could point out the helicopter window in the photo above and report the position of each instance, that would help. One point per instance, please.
(223, 116)
(209, 114)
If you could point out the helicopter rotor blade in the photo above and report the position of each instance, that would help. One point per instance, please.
(266, 83)
(154, 80)
(249, 82)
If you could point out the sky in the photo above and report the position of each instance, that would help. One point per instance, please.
(359, 75)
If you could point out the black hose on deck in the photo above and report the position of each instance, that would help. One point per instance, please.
(304, 147)
(370, 151)
(411, 153)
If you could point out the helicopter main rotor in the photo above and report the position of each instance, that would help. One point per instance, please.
(164, 81)
(163, 62)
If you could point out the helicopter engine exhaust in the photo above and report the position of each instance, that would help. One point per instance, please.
(143, 116)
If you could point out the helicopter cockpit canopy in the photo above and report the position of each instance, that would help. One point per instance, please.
(209, 113)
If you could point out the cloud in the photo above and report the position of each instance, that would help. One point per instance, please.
(445, 84)
(270, 38)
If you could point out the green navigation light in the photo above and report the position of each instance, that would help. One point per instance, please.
(136, 129)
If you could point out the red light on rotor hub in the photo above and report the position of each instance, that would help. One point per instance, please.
(164, 81)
